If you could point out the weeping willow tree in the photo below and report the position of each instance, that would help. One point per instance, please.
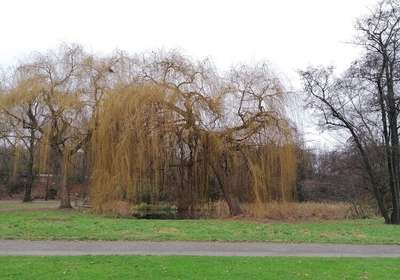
(20, 109)
(158, 128)
(178, 131)
(52, 101)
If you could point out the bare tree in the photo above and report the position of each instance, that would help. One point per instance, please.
(365, 102)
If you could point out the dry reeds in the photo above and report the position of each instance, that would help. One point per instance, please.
(289, 211)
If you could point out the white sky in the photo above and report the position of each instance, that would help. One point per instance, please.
(291, 34)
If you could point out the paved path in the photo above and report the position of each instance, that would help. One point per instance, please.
(75, 248)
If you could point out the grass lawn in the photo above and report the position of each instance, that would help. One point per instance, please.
(71, 225)
(17, 205)
(142, 267)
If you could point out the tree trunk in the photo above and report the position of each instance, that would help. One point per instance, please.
(30, 175)
(373, 180)
(29, 183)
(28, 192)
(60, 170)
(65, 201)
(387, 140)
(184, 197)
(395, 153)
(46, 195)
(395, 217)
(233, 203)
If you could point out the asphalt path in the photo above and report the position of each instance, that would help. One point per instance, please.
(78, 248)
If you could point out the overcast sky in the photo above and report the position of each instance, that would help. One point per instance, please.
(291, 34)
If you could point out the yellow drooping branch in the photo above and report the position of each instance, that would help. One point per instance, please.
(145, 151)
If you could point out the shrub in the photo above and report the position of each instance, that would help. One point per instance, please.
(152, 211)
(141, 211)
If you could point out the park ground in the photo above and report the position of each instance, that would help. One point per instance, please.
(174, 267)
(40, 221)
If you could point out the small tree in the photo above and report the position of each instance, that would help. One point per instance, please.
(22, 111)
(71, 86)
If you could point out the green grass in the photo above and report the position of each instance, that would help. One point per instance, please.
(9, 205)
(144, 267)
(71, 225)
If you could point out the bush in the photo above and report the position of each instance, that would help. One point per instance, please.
(15, 186)
(152, 211)
(51, 193)
(141, 211)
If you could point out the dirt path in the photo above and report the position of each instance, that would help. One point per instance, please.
(75, 248)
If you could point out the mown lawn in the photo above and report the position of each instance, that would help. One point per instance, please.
(143, 267)
(72, 225)
(7, 205)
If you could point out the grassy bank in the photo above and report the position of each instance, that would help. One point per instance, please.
(140, 267)
(71, 225)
